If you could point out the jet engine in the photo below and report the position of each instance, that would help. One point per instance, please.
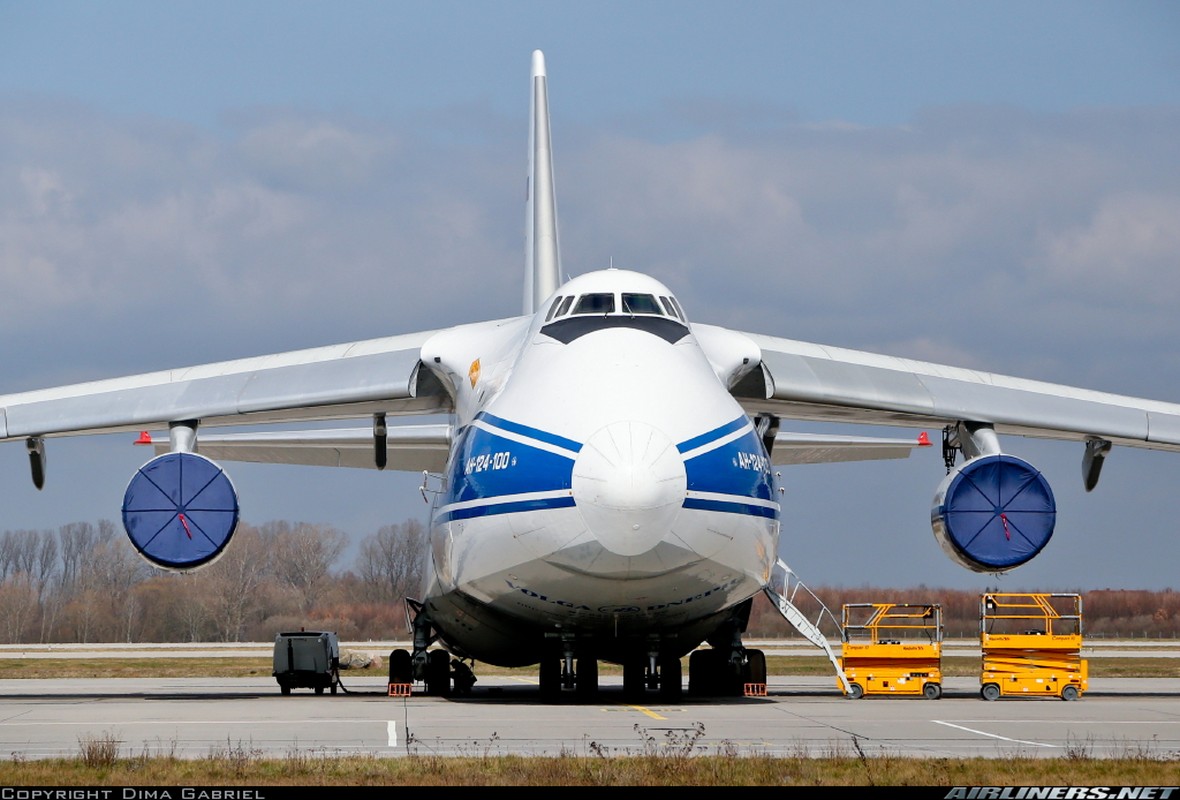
(180, 510)
(993, 513)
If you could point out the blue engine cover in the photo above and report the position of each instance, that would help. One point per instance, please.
(180, 511)
(993, 513)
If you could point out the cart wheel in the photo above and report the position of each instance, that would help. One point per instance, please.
(990, 691)
(1069, 693)
(856, 691)
(284, 688)
(319, 690)
(932, 691)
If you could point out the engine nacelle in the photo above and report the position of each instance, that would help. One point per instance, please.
(180, 510)
(993, 513)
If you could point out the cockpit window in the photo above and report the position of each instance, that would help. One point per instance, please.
(553, 309)
(672, 308)
(640, 303)
(598, 303)
(565, 306)
(678, 309)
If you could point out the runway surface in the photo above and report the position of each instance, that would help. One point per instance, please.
(199, 717)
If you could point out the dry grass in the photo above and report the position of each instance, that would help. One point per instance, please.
(662, 763)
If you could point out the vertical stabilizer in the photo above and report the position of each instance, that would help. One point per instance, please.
(542, 255)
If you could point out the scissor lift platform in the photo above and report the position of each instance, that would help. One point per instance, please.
(1031, 646)
(892, 649)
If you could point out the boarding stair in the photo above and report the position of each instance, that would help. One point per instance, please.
(784, 591)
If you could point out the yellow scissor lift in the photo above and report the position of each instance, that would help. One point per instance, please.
(892, 648)
(1031, 645)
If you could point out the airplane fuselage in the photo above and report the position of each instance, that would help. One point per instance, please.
(612, 490)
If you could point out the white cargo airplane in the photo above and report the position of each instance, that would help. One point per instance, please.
(604, 488)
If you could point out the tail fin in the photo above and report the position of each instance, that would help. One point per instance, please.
(542, 254)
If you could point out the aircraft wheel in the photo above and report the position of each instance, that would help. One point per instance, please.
(932, 691)
(990, 691)
(755, 667)
(549, 676)
(634, 678)
(671, 680)
(438, 673)
(586, 679)
(856, 691)
(1069, 693)
(702, 674)
(401, 668)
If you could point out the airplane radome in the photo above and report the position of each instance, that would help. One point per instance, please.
(583, 511)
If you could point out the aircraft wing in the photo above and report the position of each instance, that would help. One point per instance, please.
(341, 381)
(806, 381)
(421, 448)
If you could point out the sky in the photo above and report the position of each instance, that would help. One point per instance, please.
(989, 185)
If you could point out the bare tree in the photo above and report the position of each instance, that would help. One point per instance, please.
(304, 555)
(391, 562)
(77, 540)
(231, 587)
(18, 604)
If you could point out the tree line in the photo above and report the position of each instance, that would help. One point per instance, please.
(84, 582)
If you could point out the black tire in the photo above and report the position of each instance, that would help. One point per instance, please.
(754, 670)
(990, 692)
(401, 667)
(671, 678)
(702, 675)
(856, 691)
(284, 688)
(586, 678)
(319, 690)
(932, 691)
(1069, 693)
(438, 673)
(549, 677)
(634, 678)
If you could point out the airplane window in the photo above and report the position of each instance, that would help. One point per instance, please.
(679, 310)
(599, 303)
(553, 309)
(668, 308)
(640, 303)
(565, 305)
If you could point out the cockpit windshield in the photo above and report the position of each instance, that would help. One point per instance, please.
(640, 303)
(572, 316)
(597, 303)
(605, 303)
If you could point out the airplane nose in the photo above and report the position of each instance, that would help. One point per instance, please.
(629, 483)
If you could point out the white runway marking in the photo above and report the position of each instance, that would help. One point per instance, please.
(992, 735)
(391, 726)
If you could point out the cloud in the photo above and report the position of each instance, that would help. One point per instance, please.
(991, 235)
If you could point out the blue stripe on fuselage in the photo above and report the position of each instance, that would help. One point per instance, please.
(492, 468)
(739, 468)
(716, 433)
(488, 465)
(529, 432)
(508, 507)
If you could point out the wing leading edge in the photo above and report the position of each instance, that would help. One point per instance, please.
(806, 381)
(351, 380)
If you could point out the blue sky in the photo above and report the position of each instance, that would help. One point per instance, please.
(991, 185)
